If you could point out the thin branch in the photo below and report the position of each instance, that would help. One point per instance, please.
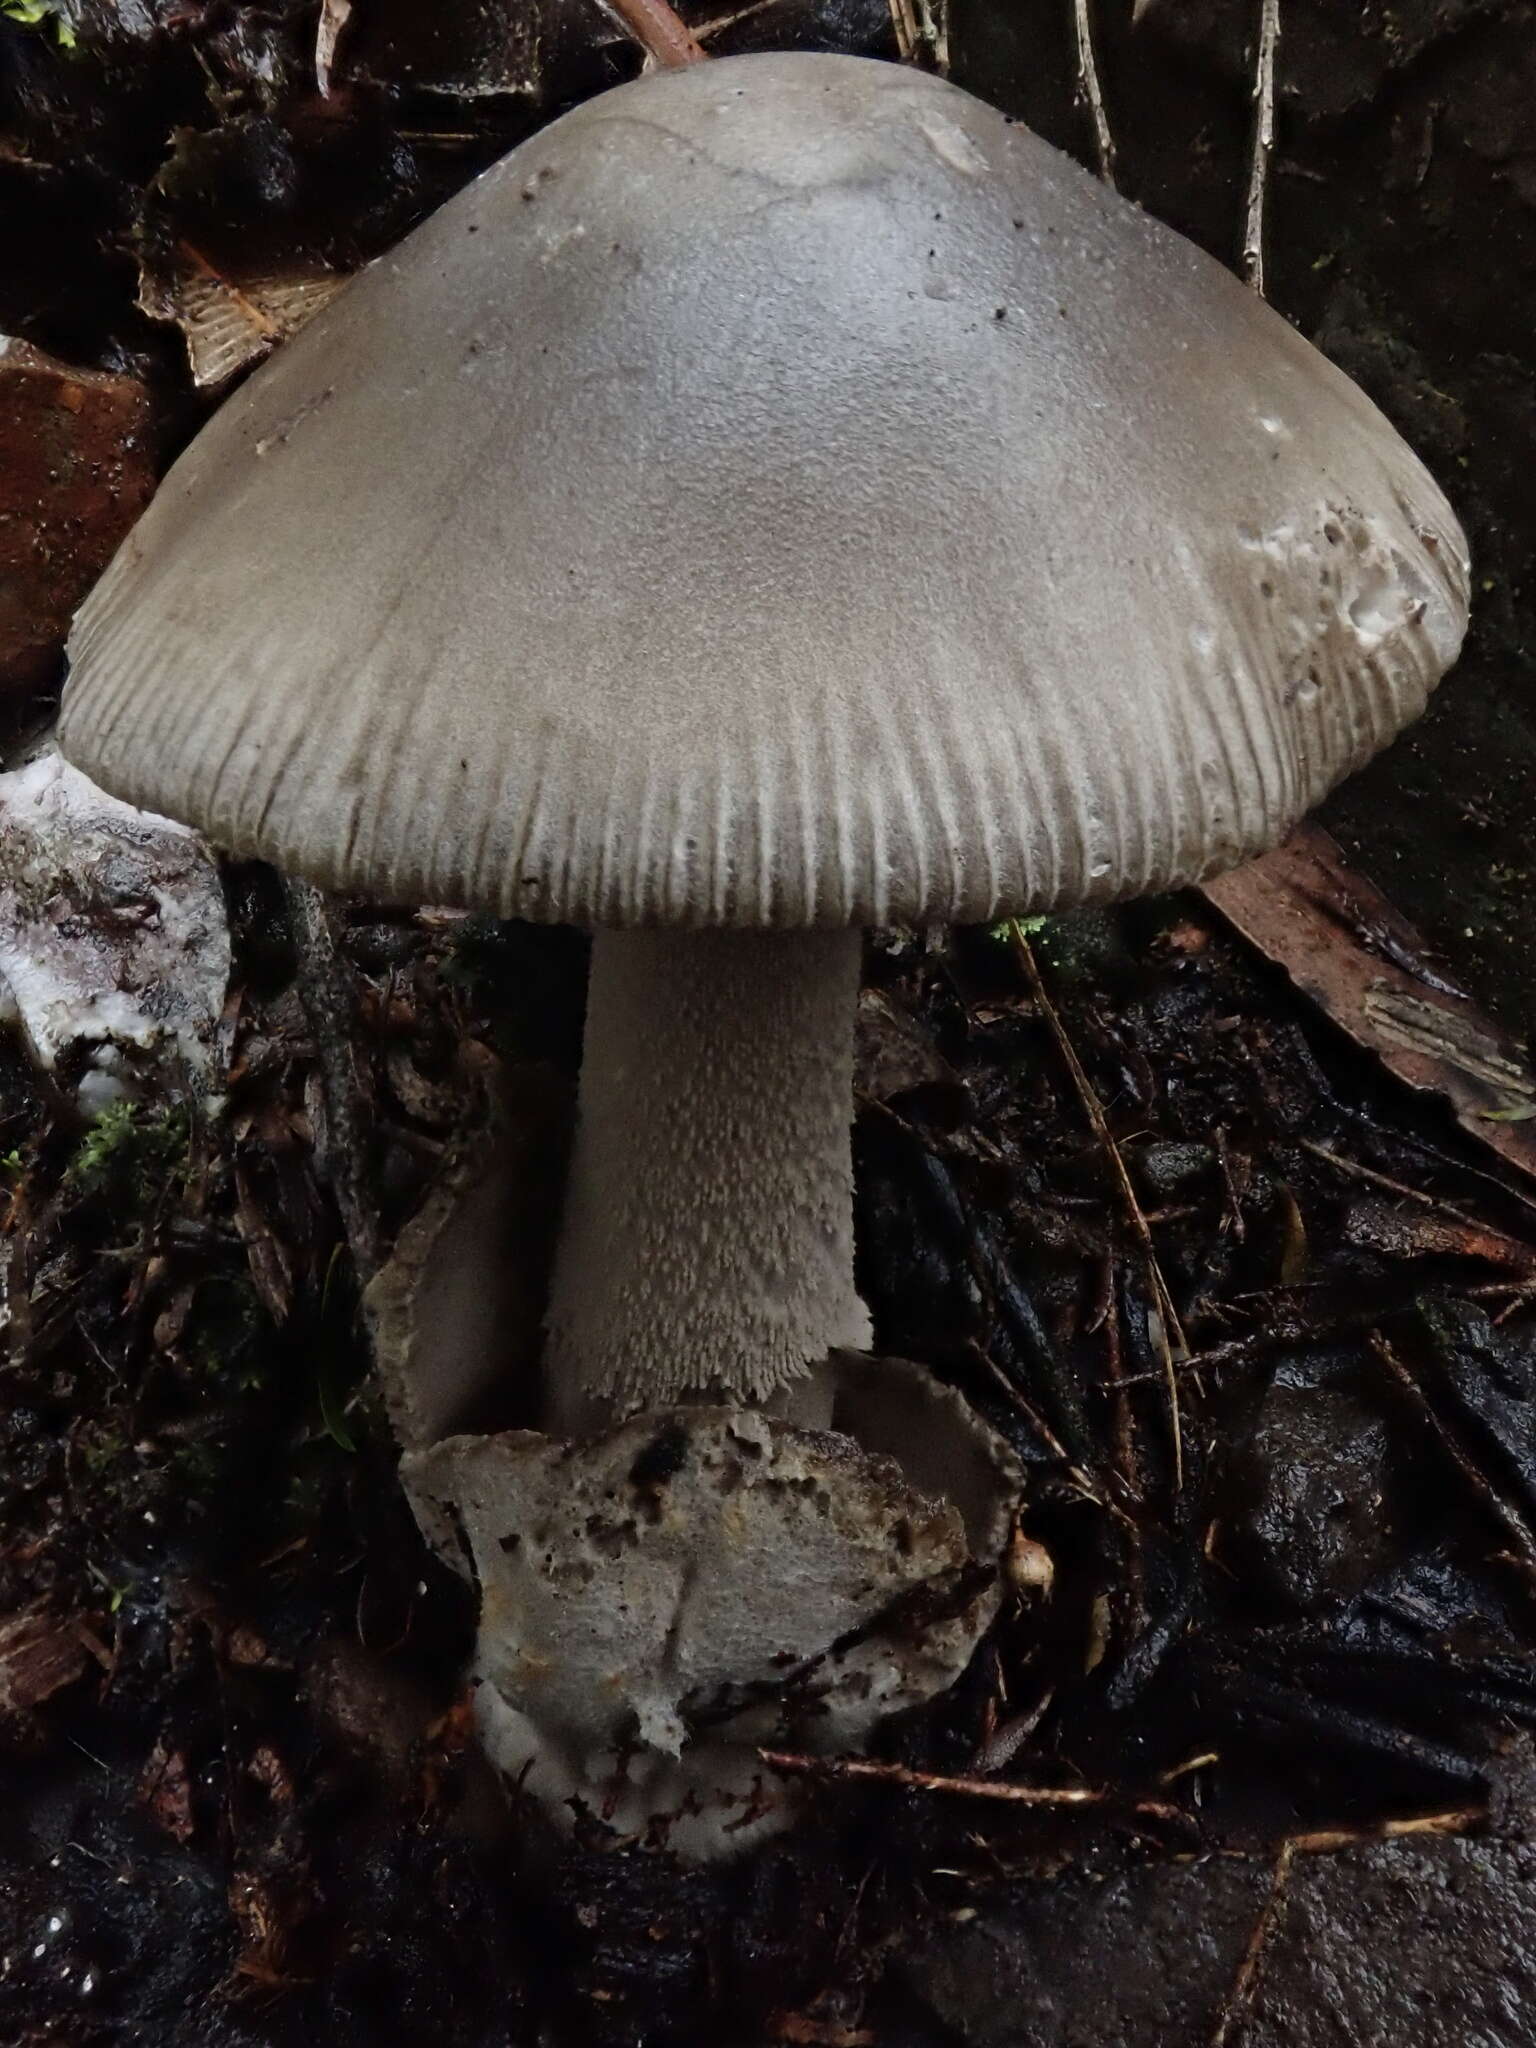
(1409, 1193)
(325, 990)
(1169, 1335)
(1245, 1983)
(717, 26)
(1322, 1841)
(921, 25)
(843, 1769)
(1263, 151)
(663, 35)
(1090, 90)
(1456, 1820)
(1513, 1521)
(1279, 1336)
(904, 25)
(1123, 1439)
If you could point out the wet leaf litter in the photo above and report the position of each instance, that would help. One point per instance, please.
(1019, 1262)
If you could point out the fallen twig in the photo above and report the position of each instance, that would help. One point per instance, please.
(719, 23)
(1454, 1820)
(663, 35)
(1262, 155)
(844, 1769)
(1482, 1487)
(1170, 1335)
(921, 25)
(326, 992)
(1321, 1841)
(1127, 1464)
(1245, 1983)
(1411, 1194)
(1091, 91)
(1239, 1351)
(1366, 968)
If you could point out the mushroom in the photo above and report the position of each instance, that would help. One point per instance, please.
(783, 496)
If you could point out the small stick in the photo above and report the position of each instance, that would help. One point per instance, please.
(663, 35)
(1262, 155)
(1321, 1841)
(1190, 1765)
(1411, 1194)
(841, 1769)
(904, 24)
(1169, 1332)
(1491, 1499)
(1091, 90)
(1123, 1438)
(1239, 1351)
(1245, 1983)
(919, 25)
(717, 26)
(1032, 1416)
(1107, 1318)
(325, 991)
(1327, 1841)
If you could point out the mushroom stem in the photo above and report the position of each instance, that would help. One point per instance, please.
(707, 1245)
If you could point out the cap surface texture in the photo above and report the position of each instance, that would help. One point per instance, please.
(780, 492)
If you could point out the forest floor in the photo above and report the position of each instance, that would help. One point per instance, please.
(1291, 1636)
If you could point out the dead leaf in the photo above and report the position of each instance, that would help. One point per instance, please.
(165, 1792)
(229, 322)
(269, 1771)
(1409, 1234)
(40, 1654)
(1293, 1241)
(1365, 966)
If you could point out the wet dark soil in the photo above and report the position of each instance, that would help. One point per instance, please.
(1292, 1605)
(1334, 1966)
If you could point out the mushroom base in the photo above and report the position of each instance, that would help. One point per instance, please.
(661, 1601)
(707, 1245)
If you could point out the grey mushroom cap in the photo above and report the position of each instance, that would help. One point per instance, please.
(781, 492)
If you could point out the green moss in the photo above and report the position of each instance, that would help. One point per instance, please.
(101, 1450)
(130, 1152)
(41, 14)
(1036, 930)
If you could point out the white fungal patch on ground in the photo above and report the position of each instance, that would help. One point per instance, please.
(114, 944)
